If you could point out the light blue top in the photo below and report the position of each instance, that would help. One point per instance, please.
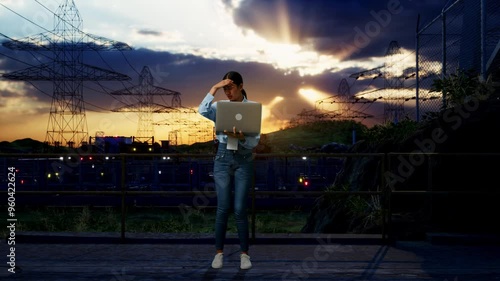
(208, 108)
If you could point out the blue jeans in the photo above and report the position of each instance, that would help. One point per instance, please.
(232, 169)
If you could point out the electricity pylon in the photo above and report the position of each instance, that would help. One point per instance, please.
(66, 43)
(393, 91)
(394, 79)
(145, 105)
(344, 103)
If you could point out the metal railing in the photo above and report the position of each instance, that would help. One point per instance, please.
(69, 174)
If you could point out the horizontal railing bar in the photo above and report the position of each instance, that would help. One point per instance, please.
(444, 192)
(256, 192)
(190, 192)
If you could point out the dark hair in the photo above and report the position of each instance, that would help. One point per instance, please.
(237, 79)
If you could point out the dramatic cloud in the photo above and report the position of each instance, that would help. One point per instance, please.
(283, 48)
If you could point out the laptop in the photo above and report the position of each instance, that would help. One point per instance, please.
(245, 116)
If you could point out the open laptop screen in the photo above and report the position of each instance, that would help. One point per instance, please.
(245, 116)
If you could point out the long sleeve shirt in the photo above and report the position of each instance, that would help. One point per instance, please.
(208, 109)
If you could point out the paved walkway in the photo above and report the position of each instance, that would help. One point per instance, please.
(58, 257)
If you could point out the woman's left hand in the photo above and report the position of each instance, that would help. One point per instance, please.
(239, 135)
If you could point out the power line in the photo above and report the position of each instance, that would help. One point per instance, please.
(67, 119)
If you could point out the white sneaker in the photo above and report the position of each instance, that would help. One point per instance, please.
(245, 262)
(218, 260)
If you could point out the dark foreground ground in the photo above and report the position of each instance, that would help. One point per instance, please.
(147, 257)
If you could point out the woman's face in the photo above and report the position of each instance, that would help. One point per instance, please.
(233, 92)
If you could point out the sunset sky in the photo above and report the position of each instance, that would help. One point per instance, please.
(291, 54)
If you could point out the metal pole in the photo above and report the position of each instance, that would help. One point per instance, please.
(123, 199)
(417, 103)
(443, 59)
(253, 209)
(386, 198)
(483, 39)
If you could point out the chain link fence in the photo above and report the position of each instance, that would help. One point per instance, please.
(464, 36)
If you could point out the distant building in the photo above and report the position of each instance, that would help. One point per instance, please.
(115, 144)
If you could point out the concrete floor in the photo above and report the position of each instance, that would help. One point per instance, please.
(153, 257)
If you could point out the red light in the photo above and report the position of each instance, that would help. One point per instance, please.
(90, 157)
(191, 171)
(22, 181)
(306, 183)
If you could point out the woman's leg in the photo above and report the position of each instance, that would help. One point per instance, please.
(243, 179)
(222, 180)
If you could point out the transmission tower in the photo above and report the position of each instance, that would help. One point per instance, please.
(336, 107)
(393, 84)
(145, 105)
(344, 104)
(67, 120)
(187, 126)
(393, 92)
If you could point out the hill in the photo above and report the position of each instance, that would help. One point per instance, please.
(26, 145)
(311, 137)
(307, 137)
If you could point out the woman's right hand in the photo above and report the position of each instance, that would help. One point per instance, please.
(220, 84)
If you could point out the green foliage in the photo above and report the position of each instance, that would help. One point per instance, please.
(83, 220)
(366, 209)
(280, 222)
(147, 220)
(365, 212)
(459, 87)
(391, 132)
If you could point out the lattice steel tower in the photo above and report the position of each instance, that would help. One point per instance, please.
(344, 104)
(67, 120)
(393, 84)
(394, 73)
(145, 104)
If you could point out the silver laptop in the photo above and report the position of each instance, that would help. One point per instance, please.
(245, 116)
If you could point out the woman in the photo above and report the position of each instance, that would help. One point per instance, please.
(232, 169)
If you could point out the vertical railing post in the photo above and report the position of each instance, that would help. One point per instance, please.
(387, 198)
(253, 207)
(123, 165)
(443, 58)
(430, 184)
(417, 74)
(483, 40)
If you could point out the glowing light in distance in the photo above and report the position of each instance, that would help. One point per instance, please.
(312, 95)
